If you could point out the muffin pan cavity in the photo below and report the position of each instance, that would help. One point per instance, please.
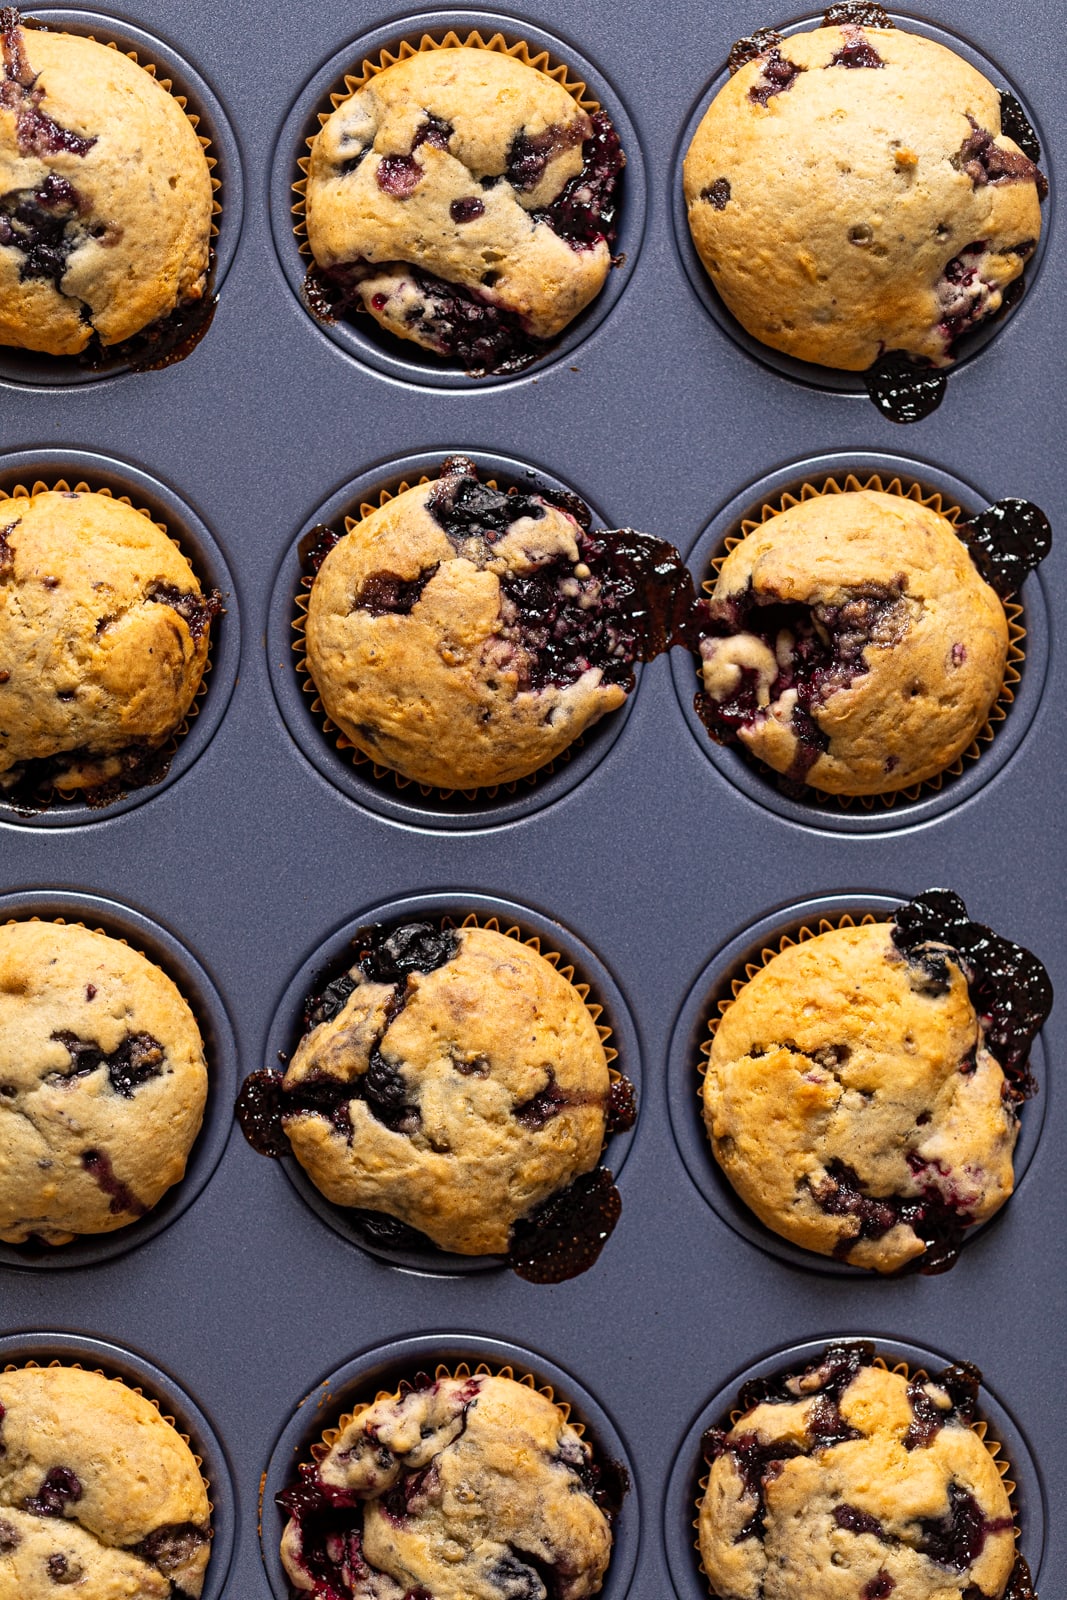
(26, 469)
(204, 108)
(220, 1051)
(360, 336)
(1012, 714)
(994, 1423)
(381, 1369)
(376, 1233)
(733, 964)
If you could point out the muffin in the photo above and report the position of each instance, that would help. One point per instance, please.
(102, 1083)
(464, 637)
(843, 1479)
(104, 634)
(482, 222)
(105, 195)
(851, 644)
(851, 193)
(99, 1492)
(862, 1089)
(452, 1079)
(467, 1488)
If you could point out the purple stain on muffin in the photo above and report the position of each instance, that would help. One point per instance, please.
(529, 154)
(857, 51)
(97, 1163)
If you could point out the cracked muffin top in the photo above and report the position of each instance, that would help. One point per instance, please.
(851, 193)
(105, 195)
(98, 1492)
(467, 202)
(464, 637)
(862, 1090)
(852, 644)
(452, 1079)
(102, 1083)
(463, 1489)
(844, 1479)
(104, 634)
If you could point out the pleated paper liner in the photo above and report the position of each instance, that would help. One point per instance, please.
(361, 1227)
(141, 352)
(1013, 611)
(903, 1369)
(111, 1377)
(458, 801)
(353, 82)
(47, 794)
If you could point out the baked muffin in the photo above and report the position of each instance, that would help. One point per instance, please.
(452, 1079)
(862, 1090)
(102, 1083)
(99, 1493)
(467, 202)
(467, 1488)
(845, 1479)
(104, 634)
(851, 193)
(105, 195)
(464, 637)
(851, 644)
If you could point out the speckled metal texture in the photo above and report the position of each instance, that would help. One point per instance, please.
(656, 860)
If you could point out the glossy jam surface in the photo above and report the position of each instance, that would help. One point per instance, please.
(902, 391)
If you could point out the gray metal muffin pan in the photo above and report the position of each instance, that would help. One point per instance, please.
(656, 859)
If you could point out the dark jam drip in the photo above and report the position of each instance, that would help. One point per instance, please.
(1006, 542)
(38, 784)
(827, 653)
(259, 1113)
(902, 391)
(753, 45)
(565, 1235)
(1020, 1584)
(315, 546)
(42, 224)
(137, 1059)
(388, 594)
(983, 160)
(159, 346)
(830, 1376)
(1008, 986)
(622, 1105)
(958, 1539)
(587, 210)
(60, 1489)
(123, 1199)
(930, 1217)
(636, 602)
(197, 611)
(331, 1537)
(1017, 126)
(857, 13)
(36, 134)
(465, 508)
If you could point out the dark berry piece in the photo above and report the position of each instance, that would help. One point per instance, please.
(43, 225)
(879, 1587)
(387, 594)
(390, 956)
(778, 75)
(10, 1538)
(61, 1571)
(467, 210)
(59, 1490)
(7, 555)
(566, 1234)
(330, 1003)
(856, 52)
(717, 193)
(434, 131)
(388, 1232)
(902, 391)
(197, 611)
(398, 176)
(541, 1107)
(585, 212)
(853, 1520)
(530, 154)
(465, 508)
(1007, 541)
(169, 1547)
(1020, 1584)
(984, 161)
(958, 1539)
(137, 1059)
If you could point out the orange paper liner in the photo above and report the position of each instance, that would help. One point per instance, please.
(386, 777)
(170, 749)
(1013, 611)
(79, 1366)
(540, 61)
(979, 1426)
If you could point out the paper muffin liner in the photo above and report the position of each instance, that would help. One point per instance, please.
(111, 1377)
(540, 60)
(904, 1369)
(1013, 611)
(366, 766)
(198, 326)
(74, 794)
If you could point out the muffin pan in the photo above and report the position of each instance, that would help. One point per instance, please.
(652, 859)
